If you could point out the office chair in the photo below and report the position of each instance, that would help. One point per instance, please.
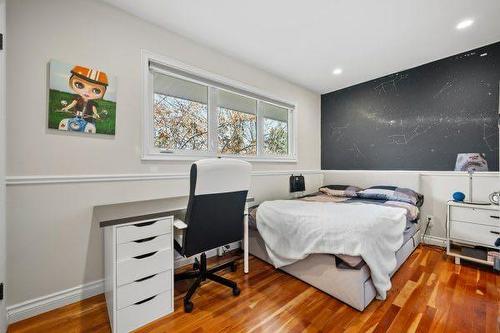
(214, 218)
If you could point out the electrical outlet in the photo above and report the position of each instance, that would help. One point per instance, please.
(430, 220)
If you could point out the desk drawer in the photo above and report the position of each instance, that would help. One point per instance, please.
(475, 215)
(144, 288)
(143, 246)
(477, 233)
(148, 310)
(143, 230)
(144, 265)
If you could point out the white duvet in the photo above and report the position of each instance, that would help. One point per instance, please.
(293, 229)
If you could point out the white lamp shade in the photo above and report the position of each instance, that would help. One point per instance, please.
(471, 162)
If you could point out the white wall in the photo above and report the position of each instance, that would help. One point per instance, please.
(437, 188)
(52, 243)
(3, 321)
(95, 34)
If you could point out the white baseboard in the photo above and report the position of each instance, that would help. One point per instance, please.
(433, 240)
(58, 299)
(53, 301)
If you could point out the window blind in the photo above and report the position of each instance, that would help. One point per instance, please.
(172, 86)
(156, 67)
(274, 112)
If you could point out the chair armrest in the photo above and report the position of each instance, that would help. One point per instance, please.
(179, 224)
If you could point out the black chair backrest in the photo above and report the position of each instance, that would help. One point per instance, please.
(217, 197)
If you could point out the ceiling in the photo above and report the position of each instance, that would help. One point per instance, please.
(304, 41)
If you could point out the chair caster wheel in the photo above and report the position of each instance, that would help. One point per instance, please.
(236, 291)
(188, 307)
(233, 267)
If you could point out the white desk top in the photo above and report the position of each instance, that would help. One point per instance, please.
(126, 212)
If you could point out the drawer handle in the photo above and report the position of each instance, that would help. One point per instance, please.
(495, 217)
(495, 232)
(145, 239)
(142, 256)
(146, 278)
(144, 224)
(145, 300)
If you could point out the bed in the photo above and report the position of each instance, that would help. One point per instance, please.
(347, 278)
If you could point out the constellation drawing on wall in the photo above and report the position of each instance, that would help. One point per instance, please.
(420, 129)
(487, 137)
(357, 152)
(390, 85)
(444, 88)
(338, 132)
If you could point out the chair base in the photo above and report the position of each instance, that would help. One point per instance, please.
(200, 273)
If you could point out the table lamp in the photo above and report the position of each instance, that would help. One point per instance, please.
(471, 162)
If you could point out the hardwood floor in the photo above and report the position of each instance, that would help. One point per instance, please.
(429, 294)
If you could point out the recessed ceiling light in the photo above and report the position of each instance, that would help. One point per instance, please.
(464, 24)
(337, 71)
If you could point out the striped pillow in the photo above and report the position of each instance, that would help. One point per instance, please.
(392, 193)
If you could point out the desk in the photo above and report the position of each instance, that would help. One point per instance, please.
(139, 258)
(126, 212)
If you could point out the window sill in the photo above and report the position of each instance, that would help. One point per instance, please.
(195, 157)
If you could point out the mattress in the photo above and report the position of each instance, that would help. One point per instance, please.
(344, 261)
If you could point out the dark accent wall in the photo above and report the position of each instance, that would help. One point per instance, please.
(418, 119)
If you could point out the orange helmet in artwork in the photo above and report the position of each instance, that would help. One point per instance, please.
(91, 75)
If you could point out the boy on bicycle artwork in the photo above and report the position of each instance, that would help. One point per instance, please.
(89, 85)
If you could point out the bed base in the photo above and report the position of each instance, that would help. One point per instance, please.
(353, 287)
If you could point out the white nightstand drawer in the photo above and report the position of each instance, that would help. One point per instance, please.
(477, 233)
(148, 310)
(143, 230)
(142, 246)
(144, 288)
(475, 215)
(144, 265)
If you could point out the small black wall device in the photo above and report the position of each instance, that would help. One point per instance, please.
(297, 184)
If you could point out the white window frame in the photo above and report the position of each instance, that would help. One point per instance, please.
(151, 153)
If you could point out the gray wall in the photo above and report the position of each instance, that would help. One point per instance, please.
(417, 119)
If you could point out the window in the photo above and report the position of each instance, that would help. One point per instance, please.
(236, 124)
(180, 114)
(189, 116)
(275, 129)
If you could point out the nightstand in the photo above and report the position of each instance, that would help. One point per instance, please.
(471, 231)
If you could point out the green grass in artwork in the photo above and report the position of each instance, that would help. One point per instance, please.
(106, 125)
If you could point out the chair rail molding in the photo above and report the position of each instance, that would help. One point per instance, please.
(58, 179)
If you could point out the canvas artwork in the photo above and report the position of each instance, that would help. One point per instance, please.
(81, 99)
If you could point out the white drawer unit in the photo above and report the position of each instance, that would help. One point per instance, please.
(469, 226)
(474, 233)
(143, 246)
(138, 271)
(141, 230)
(144, 311)
(143, 265)
(143, 288)
(475, 215)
